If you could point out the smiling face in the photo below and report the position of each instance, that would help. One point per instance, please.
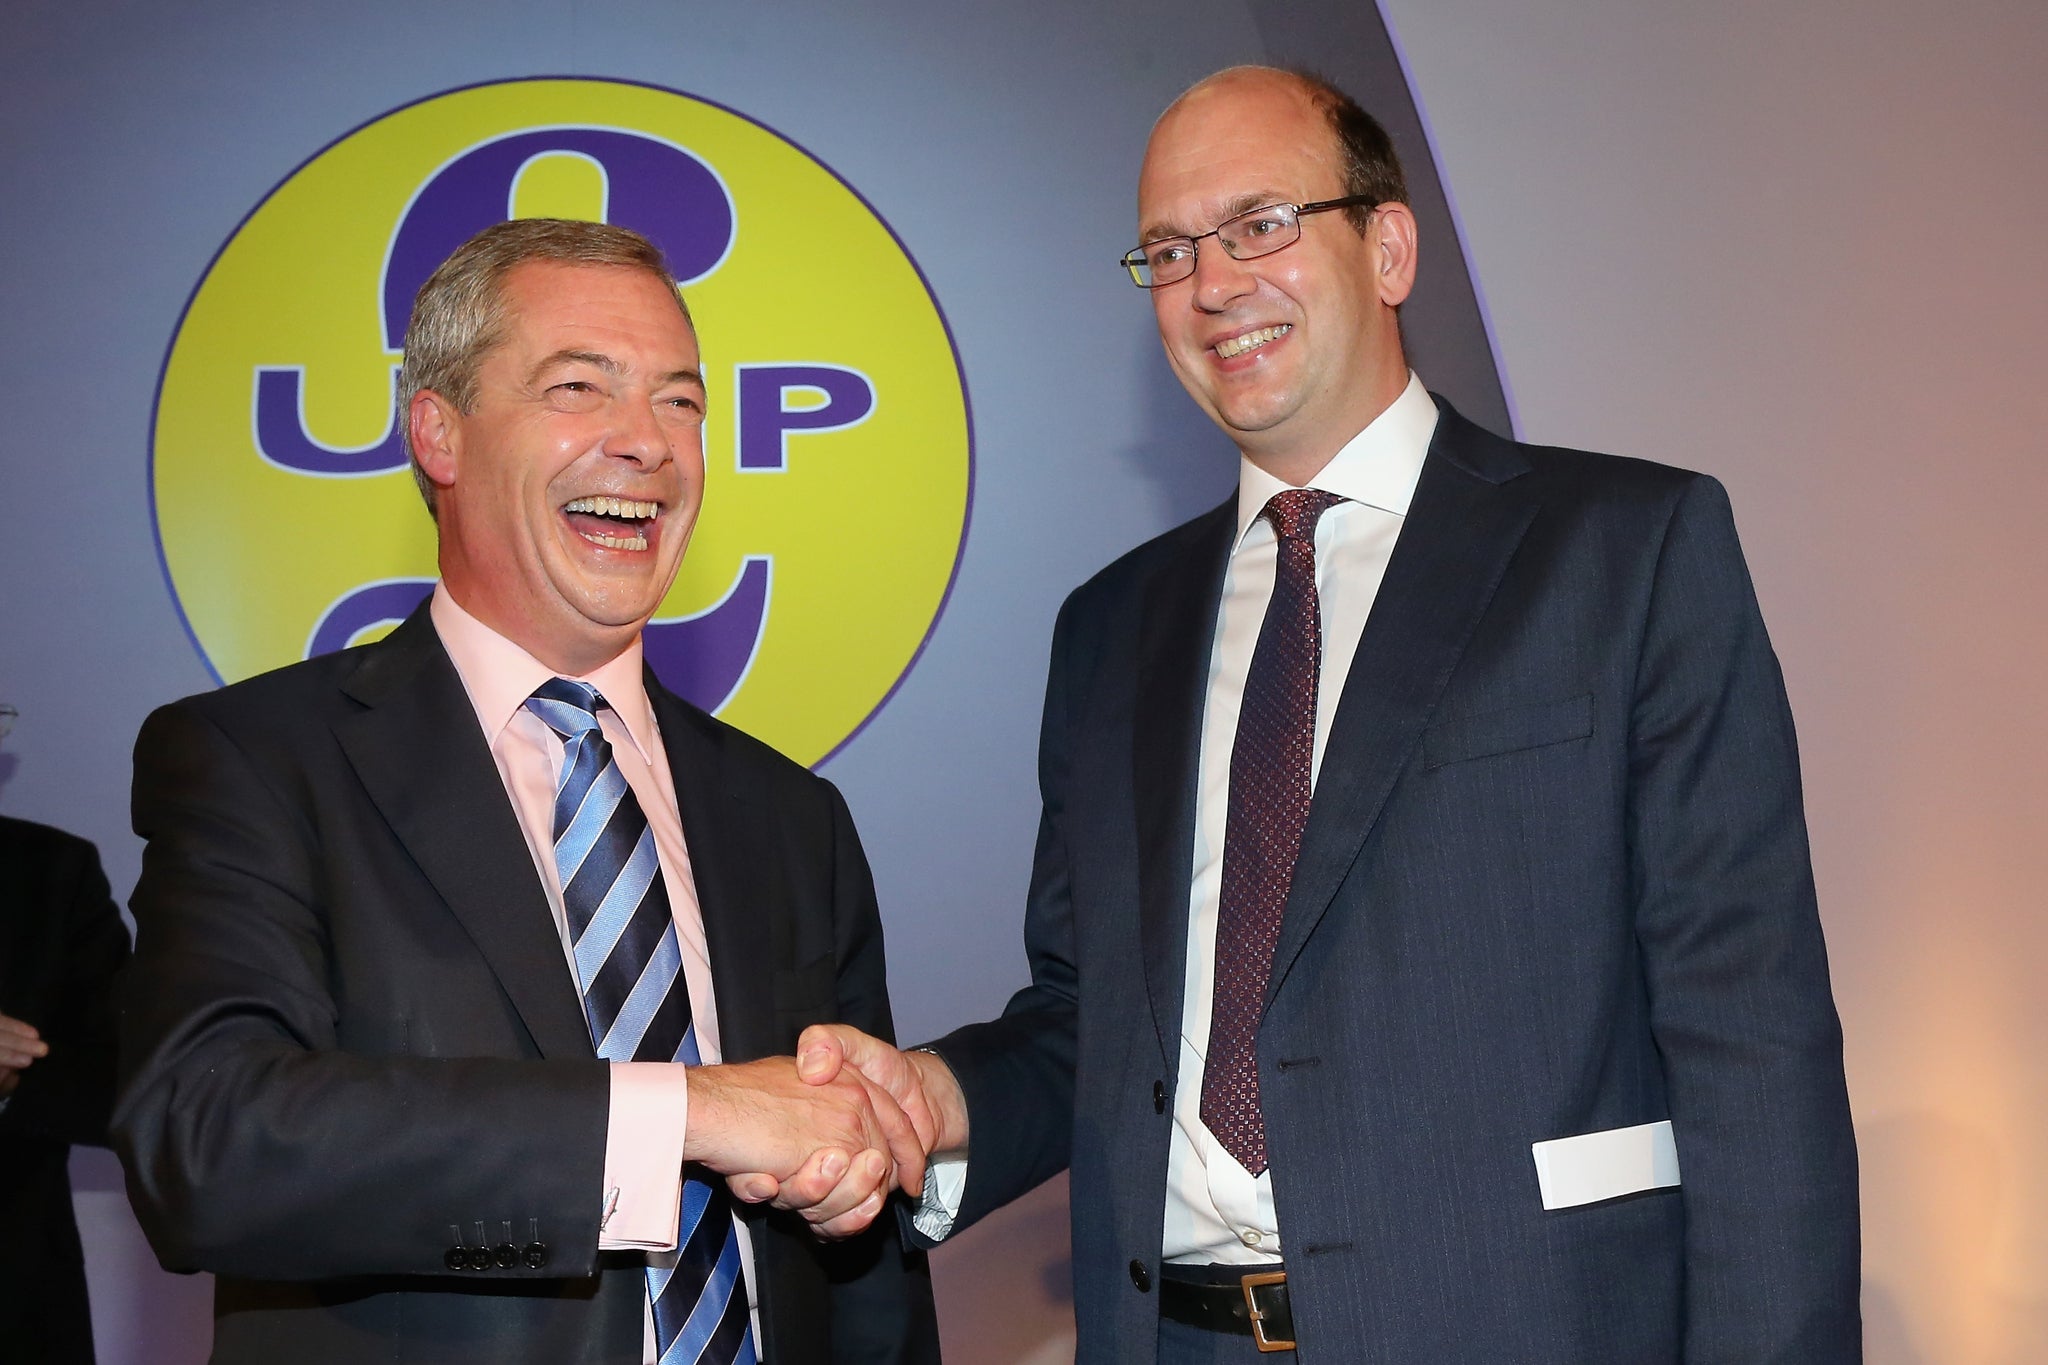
(566, 495)
(1293, 353)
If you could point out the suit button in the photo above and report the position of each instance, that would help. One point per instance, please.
(507, 1255)
(456, 1258)
(1159, 1097)
(1141, 1277)
(536, 1255)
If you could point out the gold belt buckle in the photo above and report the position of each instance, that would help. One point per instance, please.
(1251, 1303)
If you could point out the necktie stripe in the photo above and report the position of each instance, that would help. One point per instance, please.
(708, 1309)
(629, 967)
(623, 900)
(732, 1326)
(608, 989)
(591, 822)
(622, 1040)
(696, 1199)
(663, 1036)
(686, 1046)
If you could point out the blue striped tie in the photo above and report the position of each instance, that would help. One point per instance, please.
(630, 968)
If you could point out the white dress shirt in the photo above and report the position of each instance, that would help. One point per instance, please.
(1216, 1211)
(643, 1167)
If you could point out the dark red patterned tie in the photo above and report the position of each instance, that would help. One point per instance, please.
(1269, 791)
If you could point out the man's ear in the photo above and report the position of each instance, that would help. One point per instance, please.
(1393, 232)
(435, 426)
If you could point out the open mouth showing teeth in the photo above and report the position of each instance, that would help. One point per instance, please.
(615, 523)
(1251, 341)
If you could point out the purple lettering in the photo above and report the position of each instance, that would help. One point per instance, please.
(766, 417)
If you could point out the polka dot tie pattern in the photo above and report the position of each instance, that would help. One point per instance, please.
(1270, 766)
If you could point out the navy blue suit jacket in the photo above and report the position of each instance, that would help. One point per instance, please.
(1554, 881)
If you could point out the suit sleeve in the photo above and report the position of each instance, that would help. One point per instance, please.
(66, 1096)
(255, 1143)
(881, 1290)
(1736, 969)
(1017, 1071)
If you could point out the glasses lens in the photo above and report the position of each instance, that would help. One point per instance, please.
(1260, 231)
(1162, 262)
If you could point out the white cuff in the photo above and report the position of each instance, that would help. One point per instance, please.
(945, 1182)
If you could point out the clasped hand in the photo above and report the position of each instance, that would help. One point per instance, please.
(829, 1134)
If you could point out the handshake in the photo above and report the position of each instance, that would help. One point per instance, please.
(828, 1134)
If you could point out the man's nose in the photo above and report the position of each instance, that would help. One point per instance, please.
(637, 434)
(1220, 277)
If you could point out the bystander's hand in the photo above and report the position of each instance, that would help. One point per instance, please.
(20, 1045)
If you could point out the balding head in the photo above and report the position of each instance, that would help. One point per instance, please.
(1358, 147)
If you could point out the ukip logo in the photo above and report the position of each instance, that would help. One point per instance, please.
(837, 446)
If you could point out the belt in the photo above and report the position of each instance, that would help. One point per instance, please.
(1246, 1304)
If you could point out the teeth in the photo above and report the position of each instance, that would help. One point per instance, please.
(614, 507)
(617, 542)
(1251, 340)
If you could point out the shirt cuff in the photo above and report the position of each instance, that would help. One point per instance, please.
(643, 1157)
(938, 1207)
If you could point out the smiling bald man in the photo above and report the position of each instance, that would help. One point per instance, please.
(1425, 962)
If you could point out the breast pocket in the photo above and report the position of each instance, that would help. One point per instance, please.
(1507, 731)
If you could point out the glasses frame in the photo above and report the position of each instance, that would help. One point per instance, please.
(1134, 259)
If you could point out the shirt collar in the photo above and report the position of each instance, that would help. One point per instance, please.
(499, 676)
(1379, 466)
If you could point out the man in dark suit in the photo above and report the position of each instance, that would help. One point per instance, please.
(1425, 963)
(61, 943)
(424, 926)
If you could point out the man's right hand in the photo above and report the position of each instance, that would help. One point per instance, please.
(832, 1148)
(921, 1083)
(20, 1045)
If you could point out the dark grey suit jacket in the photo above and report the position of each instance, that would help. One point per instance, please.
(61, 943)
(349, 1034)
(1555, 881)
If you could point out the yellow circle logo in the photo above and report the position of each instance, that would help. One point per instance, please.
(838, 443)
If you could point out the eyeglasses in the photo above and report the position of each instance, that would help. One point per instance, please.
(1254, 233)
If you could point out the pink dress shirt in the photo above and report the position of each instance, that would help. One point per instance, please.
(643, 1165)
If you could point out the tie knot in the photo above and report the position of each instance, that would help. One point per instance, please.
(568, 708)
(1294, 513)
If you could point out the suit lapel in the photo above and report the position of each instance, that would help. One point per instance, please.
(723, 837)
(1468, 515)
(1176, 628)
(421, 757)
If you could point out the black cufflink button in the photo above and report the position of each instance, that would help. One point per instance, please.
(536, 1255)
(1141, 1277)
(1159, 1097)
(507, 1255)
